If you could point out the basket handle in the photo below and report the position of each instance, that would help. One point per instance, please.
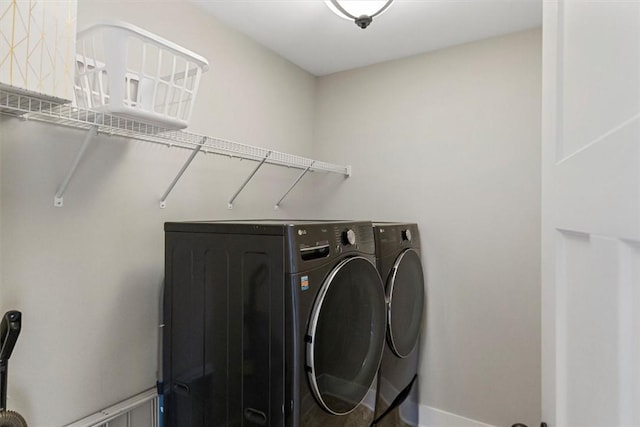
(149, 36)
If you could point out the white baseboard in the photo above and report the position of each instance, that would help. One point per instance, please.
(432, 417)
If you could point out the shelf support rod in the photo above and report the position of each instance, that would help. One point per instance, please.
(163, 199)
(304, 172)
(230, 205)
(58, 200)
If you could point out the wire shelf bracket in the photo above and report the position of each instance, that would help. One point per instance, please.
(163, 199)
(30, 106)
(304, 172)
(246, 181)
(58, 200)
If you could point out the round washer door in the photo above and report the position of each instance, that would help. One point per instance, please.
(346, 335)
(405, 292)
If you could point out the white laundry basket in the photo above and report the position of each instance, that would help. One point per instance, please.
(126, 71)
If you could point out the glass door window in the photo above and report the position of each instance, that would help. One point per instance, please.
(346, 335)
(405, 293)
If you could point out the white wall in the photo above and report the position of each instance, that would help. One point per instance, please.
(452, 140)
(87, 276)
(449, 139)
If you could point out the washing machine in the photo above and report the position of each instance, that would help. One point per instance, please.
(270, 323)
(399, 263)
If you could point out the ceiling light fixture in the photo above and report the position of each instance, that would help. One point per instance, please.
(361, 12)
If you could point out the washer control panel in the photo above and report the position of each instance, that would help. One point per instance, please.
(316, 241)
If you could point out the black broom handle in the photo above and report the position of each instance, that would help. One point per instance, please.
(3, 385)
(9, 331)
(400, 398)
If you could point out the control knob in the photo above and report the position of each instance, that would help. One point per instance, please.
(349, 237)
(406, 235)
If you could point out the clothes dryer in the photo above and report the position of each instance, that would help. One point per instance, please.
(270, 323)
(398, 261)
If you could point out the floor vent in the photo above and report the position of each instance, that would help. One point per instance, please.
(140, 410)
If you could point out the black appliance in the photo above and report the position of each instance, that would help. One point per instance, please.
(398, 261)
(270, 323)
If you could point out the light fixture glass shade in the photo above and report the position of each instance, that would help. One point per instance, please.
(357, 8)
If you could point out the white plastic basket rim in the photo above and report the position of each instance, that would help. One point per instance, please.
(202, 62)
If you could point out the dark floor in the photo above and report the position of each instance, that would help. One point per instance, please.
(360, 417)
(392, 420)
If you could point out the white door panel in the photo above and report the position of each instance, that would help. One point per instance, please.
(591, 213)
(596, 361)
(598, 43)
(597, 188)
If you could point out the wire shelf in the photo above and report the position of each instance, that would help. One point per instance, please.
(30, 106)
(33, 108)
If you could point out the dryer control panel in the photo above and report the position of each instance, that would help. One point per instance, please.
(391, 236)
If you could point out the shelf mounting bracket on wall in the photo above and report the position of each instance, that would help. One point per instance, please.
(246, 181)
(58, 198)
(304, 172)
(196, 150)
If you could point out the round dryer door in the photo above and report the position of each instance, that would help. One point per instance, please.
(346, 335)
(405, 293)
